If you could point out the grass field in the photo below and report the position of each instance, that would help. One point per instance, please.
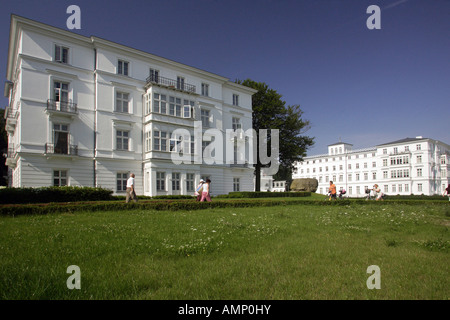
(286, 252)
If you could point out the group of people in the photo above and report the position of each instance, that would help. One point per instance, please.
(376, 191)
(202, 192)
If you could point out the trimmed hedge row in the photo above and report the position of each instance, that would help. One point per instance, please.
(187, 205)
(261, 194)
(53, 194)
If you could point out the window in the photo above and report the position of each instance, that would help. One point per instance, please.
(357, 166)
(178, 107)
(122, 139)
(180, 83)
(386, 188)
(395, 150)
(148, 141)
(61, 138)
(384, 151)
(159, 103)
(190, 182)
(406, 148)
(374, 176)
(385, 174)
(349, 166)
(349, 177)
(235, 100)
(419, 172)
(236, 123)
(236, 184)
(61, 54)
(406, 187)
(419, 159)
(366, 176)
(187, 107)
(175, 181)
(419, 187)
(159, 140)
(205, 89)
(59, 178)
(160, 181)
(60, 91)
(374, 164)
(175, 144)
(154, 75)
(122, 102)
(418, 147)
(443, 159)
(205, 118)
(357, 177)
(121, 181)
(385, 162)
(122, 67)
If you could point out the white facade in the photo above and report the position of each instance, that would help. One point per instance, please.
(84, 111)
(408, 166)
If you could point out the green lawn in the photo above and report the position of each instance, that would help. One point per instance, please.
(283, 252)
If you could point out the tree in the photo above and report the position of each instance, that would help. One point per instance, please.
(271, 112)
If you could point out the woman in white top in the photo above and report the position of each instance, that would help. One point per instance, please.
(205, 192)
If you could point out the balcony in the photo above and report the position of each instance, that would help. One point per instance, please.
(10, 158)
(171, 83)
(63, 149)
(11, 120)
(61, 107)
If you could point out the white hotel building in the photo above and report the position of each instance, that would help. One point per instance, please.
(84, 111)
(408, 166)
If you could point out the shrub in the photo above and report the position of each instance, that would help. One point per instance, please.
(53, 194)
(261, 194)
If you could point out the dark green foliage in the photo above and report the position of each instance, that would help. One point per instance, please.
(260, 194)
(53, 194)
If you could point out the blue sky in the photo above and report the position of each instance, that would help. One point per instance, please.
(365, 87)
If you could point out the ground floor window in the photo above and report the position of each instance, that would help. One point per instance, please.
(160, 181)
(176, 181)
(121, 181)
(236, 184)
(59, 178)
(190, 182)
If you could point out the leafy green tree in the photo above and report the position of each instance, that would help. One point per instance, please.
(271, 112)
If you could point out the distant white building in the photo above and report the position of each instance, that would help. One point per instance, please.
(407, 166)
(84, 111)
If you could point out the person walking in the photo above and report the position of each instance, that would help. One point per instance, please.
(332, 191)
(131, 192)
(447, 191)
(205, 192)
(198, 191)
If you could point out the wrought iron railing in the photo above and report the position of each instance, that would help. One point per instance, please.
(171, 83)
(62, 106)
(68, 149)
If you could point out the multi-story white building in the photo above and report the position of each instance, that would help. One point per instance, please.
(408, 166)
(84, 111)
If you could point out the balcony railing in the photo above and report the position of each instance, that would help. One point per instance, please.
(171, 83)
(68, 149)
(62, 106)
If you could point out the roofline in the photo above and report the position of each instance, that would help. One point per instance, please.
(17, 22)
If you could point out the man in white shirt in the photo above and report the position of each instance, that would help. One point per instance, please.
(131, 193)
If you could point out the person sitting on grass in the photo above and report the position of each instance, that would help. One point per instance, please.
(377, 192)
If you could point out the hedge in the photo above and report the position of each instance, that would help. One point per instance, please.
(187, 205)
(261, 194)
(53, 194)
